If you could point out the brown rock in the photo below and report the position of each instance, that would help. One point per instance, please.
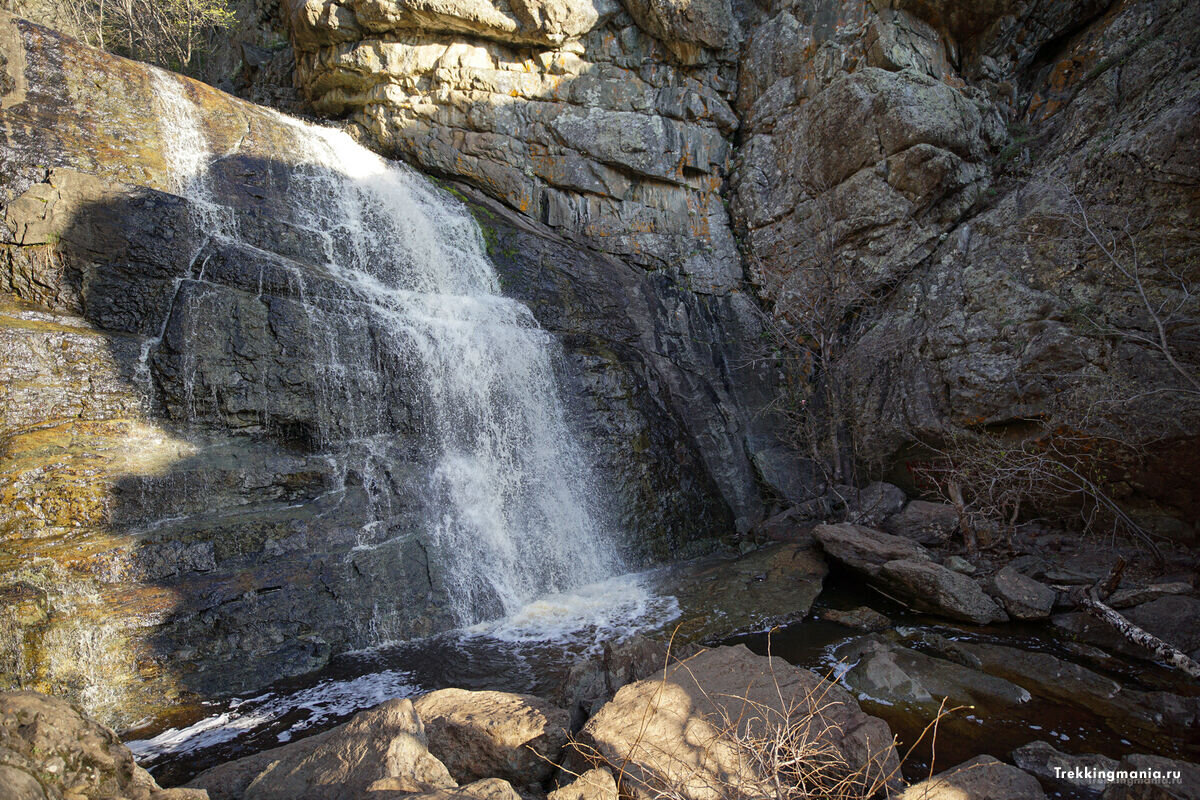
(981, 778)
(493, 734)
(595, 784)
(924, 522)
(386, 743)
(51, 739)
(683, 729)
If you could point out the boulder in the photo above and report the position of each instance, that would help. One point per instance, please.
(1051, 766)
(1022, 597)
(876, 502)
(493, 734)
(864, 549)
(385, 745)
(959, 564)
(1187, 787)
(487, 789)
(1135, 596)
(685, 729)
(1153, 719)
(981, 778)
(595, 784)
(889, 673)
(48, 748)
(933, 588)
(924, 522)
(1173, 618)
(861, 618)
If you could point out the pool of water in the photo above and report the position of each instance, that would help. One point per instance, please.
(533, 650)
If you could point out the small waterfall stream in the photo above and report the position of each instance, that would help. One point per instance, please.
(512, 512)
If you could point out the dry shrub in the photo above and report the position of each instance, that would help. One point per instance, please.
(786, 749)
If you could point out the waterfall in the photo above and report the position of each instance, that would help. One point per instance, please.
(510, 510)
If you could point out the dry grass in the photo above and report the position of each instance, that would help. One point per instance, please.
(743, 748)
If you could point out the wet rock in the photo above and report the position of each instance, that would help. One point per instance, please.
(1050, 765)
(981, 778)
(48, 748)
(1152, 718)
(931, 587)
(861, 618)
(889, 673)
(924, 522)
(1173, 618)
(1022, 597)
(864, 549)
(595, 784)
(386, 743)
(1187, 787)
(667, 728)
(1135, 596)
(719, 596)
(481, 735)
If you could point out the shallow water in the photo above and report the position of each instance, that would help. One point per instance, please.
(532, 650)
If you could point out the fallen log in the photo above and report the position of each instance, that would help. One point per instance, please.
(1093, 601)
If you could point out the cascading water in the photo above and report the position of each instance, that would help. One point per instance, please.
(509, 506)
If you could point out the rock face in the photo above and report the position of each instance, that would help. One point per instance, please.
(180, 508)
(907, 178)
(48, 749)
(611, 126)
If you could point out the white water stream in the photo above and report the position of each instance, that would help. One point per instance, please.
(514, 513)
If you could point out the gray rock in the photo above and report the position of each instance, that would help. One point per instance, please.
(889, 673)
(864, 549)
(1022, 597)
(931, 587)
(1134, 596)
(861, 618)
(1050, 765)
(876, 502)
(981, 778)
(924, 522)
(959, 564)
(1186, 788)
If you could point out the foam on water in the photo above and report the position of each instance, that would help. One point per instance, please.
(314, 706)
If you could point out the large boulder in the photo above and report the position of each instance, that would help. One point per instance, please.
(486, 734)
(894, 674)
(1022, 597)
(1183, 783)
(934, 588)
(1072, 770)
(981, 778)
(384, 748)
(49, 749)
(864, 549)
(924, 522)
(689, 728)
